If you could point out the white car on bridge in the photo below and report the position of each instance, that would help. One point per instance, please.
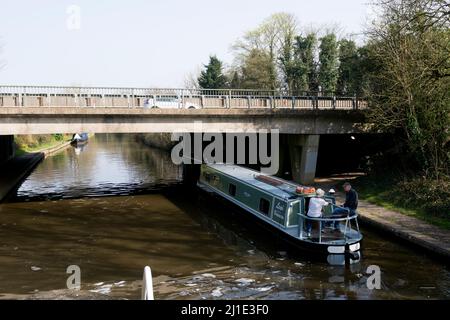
(168, 103)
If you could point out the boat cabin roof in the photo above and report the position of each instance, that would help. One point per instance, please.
(274, 185)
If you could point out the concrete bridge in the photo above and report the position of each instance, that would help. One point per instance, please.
(39, 110)
(44, 110)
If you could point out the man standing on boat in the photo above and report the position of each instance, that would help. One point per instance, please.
(350, 205)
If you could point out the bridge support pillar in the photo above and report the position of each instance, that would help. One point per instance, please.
(303, 150)
(6, 148)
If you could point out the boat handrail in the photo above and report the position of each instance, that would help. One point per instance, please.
(147, 284)
(351, 215)
(330, 218)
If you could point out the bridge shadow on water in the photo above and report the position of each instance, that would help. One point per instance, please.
(137, 212)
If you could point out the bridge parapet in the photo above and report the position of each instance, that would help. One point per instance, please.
(60, 96)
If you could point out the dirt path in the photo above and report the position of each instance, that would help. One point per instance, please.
(432, 238)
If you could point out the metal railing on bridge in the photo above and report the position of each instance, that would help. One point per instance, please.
(61, 96)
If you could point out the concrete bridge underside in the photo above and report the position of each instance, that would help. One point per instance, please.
(45, 120)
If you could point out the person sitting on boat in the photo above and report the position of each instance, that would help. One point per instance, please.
(316, 205)
(350, 205)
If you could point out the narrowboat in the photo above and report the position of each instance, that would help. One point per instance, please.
(79, 139)
(282, 206)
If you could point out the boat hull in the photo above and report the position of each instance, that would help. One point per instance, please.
(79, 139)
(78, 143)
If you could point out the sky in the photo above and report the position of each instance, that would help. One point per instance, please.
(137, 43)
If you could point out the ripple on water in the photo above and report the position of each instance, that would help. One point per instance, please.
(108, 213)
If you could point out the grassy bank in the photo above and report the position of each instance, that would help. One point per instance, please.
(35, 143)
(425, 199)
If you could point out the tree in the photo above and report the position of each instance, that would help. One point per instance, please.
(212, 76)
(299, 66)
(289, 65)
(257, 71)
(272, 38)
(328, 63)
(410, 90)
(235, 80)
(305, 50)
(348, 67)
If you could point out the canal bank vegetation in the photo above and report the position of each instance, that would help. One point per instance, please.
(36, 143)
(409, 95)
(420, 197)
(402, 67)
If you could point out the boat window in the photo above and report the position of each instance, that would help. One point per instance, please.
(207, 176)
(264, 206)
(294, 210)
(232, 189)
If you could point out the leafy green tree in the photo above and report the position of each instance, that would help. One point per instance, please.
(355, 66)
(348, 68)
(212, 76)
(273, 38)
(365, 65)
(256, 71)
(235, 80)
(288, 65)
(298, 64)
(305, 50)
(328, 63)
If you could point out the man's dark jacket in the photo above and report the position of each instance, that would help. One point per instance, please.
(351, 200)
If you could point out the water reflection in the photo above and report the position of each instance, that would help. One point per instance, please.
(106, 165)
(199, 247)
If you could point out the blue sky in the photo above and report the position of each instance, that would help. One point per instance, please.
(140, 43)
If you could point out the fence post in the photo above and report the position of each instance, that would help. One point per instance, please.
(354, 107)
(334, 102)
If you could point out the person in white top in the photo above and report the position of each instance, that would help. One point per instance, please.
(315, 209)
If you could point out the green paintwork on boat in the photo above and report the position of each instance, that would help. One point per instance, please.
(272, 199)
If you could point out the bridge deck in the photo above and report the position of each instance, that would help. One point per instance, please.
(41, 120)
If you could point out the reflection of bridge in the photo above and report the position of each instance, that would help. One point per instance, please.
(41, 110)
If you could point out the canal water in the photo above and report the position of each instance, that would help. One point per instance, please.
(116, 206)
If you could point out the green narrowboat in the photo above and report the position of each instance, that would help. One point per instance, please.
(282, 205)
